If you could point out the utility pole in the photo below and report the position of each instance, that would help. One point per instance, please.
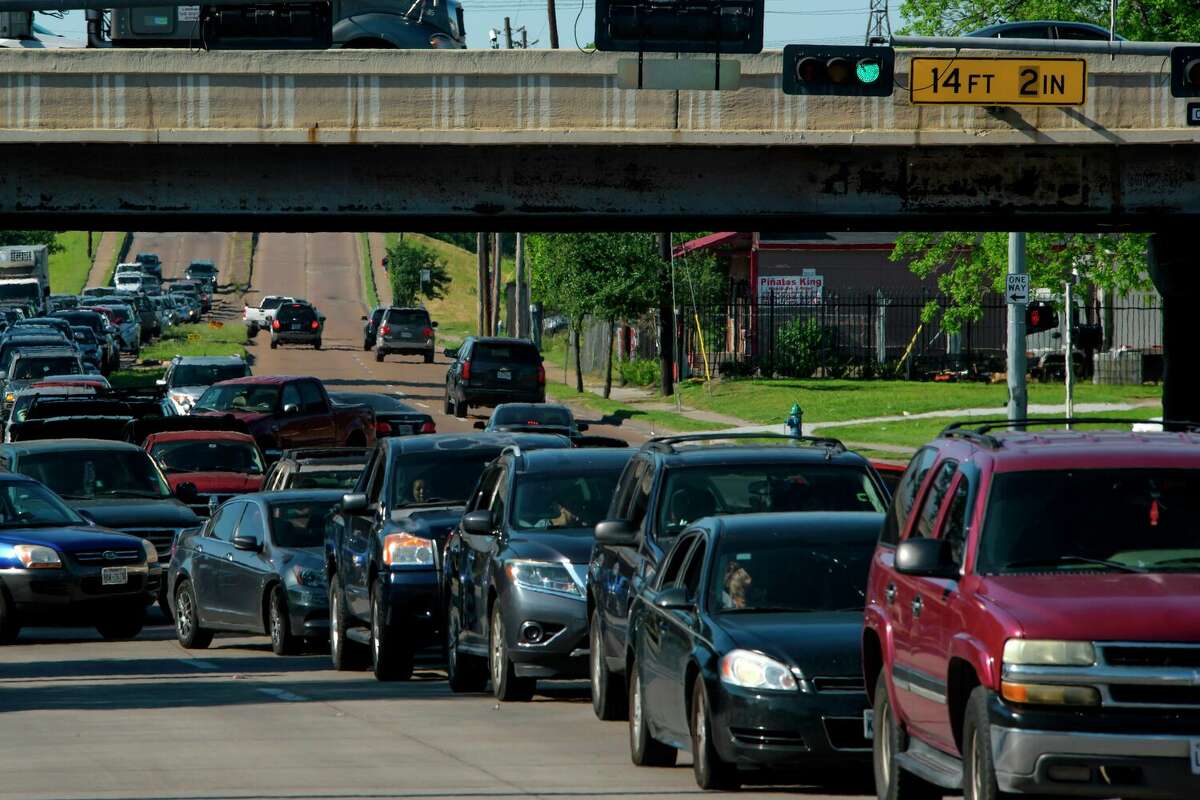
(520, 306)
(507, 37)
(524, 46)
(1017, 397)
(552, 20)
(481, 294)
(497, 279)
(666, 319)
(1069, 298)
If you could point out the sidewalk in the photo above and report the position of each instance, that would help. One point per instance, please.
(102, 259)
(383, 284)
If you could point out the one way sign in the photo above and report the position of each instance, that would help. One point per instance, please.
(1017, 290)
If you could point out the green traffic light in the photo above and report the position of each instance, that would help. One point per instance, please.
(867, 70)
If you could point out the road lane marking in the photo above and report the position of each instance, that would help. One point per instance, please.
(192, 662)
(283, 694)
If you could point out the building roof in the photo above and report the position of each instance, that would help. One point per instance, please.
(807, 240)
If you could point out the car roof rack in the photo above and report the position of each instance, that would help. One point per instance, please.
(979, 431)
(667, 443)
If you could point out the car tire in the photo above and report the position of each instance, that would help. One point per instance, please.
(608, 693)
(345, 654)
(251, 330)
(460, 407)
(891, 781)
(279, 624)
(429, 358)
(379, 355)
(506, 686)
(366, 345)
(979, 771)
(10, 623)
(127, 623)
(712, 772)
(465, 672)
(274, 344)
(644, 749)
(187, 619)
(449, 405)
(391, 656)
(317, 344)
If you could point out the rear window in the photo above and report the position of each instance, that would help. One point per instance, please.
(207, 374)
(270, 303)
(514, 353)
(202, 269)
(326, 479)
(295, 312)
(533, 415)
(31, 368)
(407, 317)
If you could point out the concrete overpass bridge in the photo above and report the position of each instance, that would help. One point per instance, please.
(540, 140)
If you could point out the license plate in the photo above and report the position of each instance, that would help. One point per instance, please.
(405, 335)
(869, 729)
(295, 326)
(402, 430)
(1196, 756)
(503, 375)
(114, 576)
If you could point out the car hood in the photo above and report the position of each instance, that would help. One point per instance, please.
(193, 392)
(307, 557)
(574, 546)
(217, 482)
(434, 522)
(819, 643)
(137, 512)
(69, 539)
(1100, 606)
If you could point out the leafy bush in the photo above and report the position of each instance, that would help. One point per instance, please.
(405, 261)
(800, 348)
(641, 372)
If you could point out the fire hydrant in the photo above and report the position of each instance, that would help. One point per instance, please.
(794, 421)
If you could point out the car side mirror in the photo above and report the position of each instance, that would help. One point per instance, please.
(248, 543)
(433, 324)
(616, 532)
(321, 319)
(354, 503)
(187, 493)
(290, 409)
(478, 523)
(450, 352)
(480, 425)
(161, 383)
(364, 319)
(925, 558)
(673, 599)
(581, 427)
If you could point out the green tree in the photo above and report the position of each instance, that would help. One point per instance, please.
(406, 260)
(1147, 20)
(48, 238)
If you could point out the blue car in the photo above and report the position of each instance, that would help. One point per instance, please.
(57, 568)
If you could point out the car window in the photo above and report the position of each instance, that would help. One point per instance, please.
(375, 481)
(558, 501)
(404, 316)
(639, 501)
(376, 315)
(500, 495)
(291, 397)
(226, 520)
(933, 500)
(88, 474)
(311, 399)
(515, 353)
(690, 579)
(252, 526)
(906, 494)
(482, 497)
(954, 526)
(449, 477)
(301, 523)
(675, 561)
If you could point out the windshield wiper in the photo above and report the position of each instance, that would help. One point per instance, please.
(130, 493)
(1061, 560)
(1168, 562)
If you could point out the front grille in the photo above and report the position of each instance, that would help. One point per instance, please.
(755, 737)
(839, 684)
(846, 733)
(161, 538)
(1156, 695)
(108, 556)
(1151, 656)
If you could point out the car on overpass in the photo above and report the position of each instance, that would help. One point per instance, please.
(1047, 29)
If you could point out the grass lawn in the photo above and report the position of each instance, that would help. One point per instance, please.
(916, 432)
(69, 269)
(368, 272)
(768, 401)
(182, 340)
(614, 412)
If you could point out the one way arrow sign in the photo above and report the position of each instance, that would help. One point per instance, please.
(1017, 289)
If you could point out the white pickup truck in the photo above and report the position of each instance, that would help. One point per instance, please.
(260, 316)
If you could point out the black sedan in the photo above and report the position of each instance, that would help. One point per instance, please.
(393, 417)
(746, 646)
(533, 418)
(57, 568)
(256, 566)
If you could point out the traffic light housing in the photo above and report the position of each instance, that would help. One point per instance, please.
(1040, 315)
(847, 70)
(1185, 71)
(680, 26)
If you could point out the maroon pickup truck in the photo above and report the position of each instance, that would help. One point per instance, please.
(284, 412)
(1032, 620)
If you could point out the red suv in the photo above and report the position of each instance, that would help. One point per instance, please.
(1033, 617)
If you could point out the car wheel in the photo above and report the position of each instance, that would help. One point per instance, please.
(644, 749)
(283, 642)
(10, 624)
(126, 623)
(892, 782)
(429, 358)
(391, 658)
(466, 673)
(608, 693)
(274, 344)
(979, 771)
(187, 621)
(366, 345)
(505, 683)
(712, 771)
(460, 407)
(346, 655)
(251, 331)
(449, 406)
(379, 355)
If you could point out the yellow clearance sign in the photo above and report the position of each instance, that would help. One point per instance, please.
(998, 81)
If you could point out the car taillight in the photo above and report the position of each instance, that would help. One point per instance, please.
(541, 375)
(315, 324)
(427, 332)
(274, 324)
(385, 330)
(466, 371)
(428, 427)
(382, 428)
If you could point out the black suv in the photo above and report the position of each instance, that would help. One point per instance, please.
(491, 371)
(515, 569)
(675, 480)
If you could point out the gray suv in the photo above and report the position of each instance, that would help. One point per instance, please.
(408, 331)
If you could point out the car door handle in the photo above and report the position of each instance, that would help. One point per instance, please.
(229, 557)
(917, 605)
(889, 593)
(200, 549)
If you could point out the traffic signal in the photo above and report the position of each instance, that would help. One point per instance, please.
(1185, 71)
(680, 26)
(1040, 315)
(849, 70)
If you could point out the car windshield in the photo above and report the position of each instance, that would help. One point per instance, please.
(85, 335)
(418, 478)
(239, 397)
(212, 456)
(1089, 519)
(532, 415)
(26, 504)
(84, 474)
(695, 492)
(301, 523)
(515, 353)
(776, 570)
(295, 313)
(207, 374)
(344, 478)
(32, 368)
(18, 291)
(118, 315)
(547, 502)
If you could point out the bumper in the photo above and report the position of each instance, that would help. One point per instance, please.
(75, 595)
(308, 608)
(560, 627)
(296, 337)
(788, 729)
(405, 346)
(494, 397)
(413, 602)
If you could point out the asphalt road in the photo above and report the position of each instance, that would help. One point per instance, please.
(177, 250)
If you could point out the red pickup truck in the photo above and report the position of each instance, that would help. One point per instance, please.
(285, 412)
(1033, 618)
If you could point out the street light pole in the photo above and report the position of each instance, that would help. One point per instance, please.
(1017, 397)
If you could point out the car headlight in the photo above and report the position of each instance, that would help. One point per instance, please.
(406, 549)
(545, 576)
(308, 577)
(151, 551)
(36, 556)
(1049, 653)
(9, 397)
(752, 670)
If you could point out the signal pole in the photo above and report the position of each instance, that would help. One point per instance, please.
(507, 34)
(552, 20)
(1017, 397)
